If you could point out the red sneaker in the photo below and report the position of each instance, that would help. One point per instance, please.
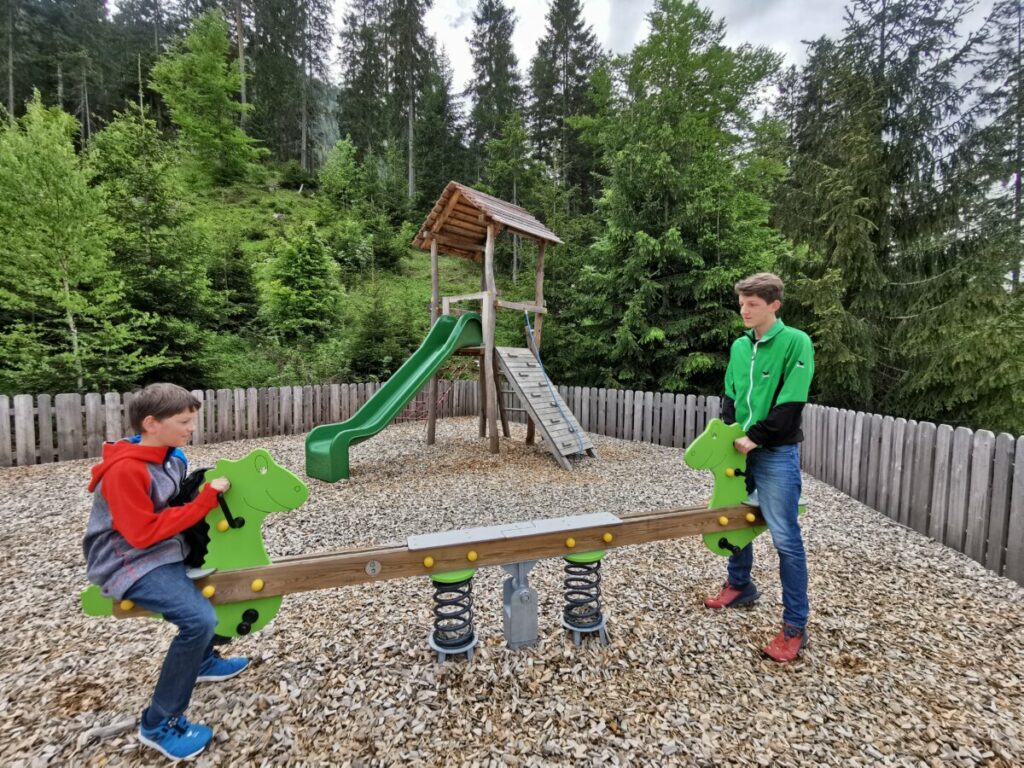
(786, 645)
(733, 597)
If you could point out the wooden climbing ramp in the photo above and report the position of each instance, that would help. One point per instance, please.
(562, 433)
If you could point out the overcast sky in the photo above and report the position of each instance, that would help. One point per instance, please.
(621, 24)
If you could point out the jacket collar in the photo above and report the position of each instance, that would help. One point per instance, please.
(774, 331)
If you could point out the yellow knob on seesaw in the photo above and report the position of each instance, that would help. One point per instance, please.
(257, 585)
(751, 517)
(472, 556)
(208, 591)
(223, 526)
(126, 604)
(607, 538)
(730, 472)
(570, 542)
(723, 520)
(428, 562)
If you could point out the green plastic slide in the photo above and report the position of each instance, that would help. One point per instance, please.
(327, 446)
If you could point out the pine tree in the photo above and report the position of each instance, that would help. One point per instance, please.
(495, 89)
(300, 290)
(198, 84)
(440, 142)
(878, 191)
(560, 75)
(153, 246)
(996, 152)
(410, 61)
(64, 323)
(685, 206)
(363, 98)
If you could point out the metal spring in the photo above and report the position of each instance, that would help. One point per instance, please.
(453, 614)
(583, 594)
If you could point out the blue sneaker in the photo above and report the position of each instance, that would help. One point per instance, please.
(176, 737)
(216, 668)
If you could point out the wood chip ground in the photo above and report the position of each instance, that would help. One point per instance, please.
(917, 653)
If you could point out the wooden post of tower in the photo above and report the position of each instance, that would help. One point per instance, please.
(483, 375)
(489, 308)
(435, 298)
(538, 321)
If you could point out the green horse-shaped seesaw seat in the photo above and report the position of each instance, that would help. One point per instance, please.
(259, 487)
(714, 450)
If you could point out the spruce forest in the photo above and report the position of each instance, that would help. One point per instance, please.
(224, 194)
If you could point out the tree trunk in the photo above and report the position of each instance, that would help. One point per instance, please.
(138, 64)
(303, 158)
(60, 84)
(412, 167)
(240, 36)
(515, 238)
(72, 330)
(1018, 260)
(86, 121)
(10, 60)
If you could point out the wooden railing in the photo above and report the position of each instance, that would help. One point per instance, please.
(961, 487)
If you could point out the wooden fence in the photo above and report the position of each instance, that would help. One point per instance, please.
(961, 487)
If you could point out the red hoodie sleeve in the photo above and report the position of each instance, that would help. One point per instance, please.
(126, 490)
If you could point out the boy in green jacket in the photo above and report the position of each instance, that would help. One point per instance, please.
(766, 387)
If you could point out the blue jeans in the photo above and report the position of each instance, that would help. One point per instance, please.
(775, 474)
(167, 590)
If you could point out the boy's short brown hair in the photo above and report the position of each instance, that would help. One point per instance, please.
(765, 285)
(160, 401)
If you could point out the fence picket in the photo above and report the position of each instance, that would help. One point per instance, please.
(940, 482)
(668, 408)
(1015, 526)
(907, 478)
(93, 424)
(679, 422)
(638, 415)
(44, 409)
(979, 496)
(691, 418)
(956, 515)
(69, 426)
(841, 451)
(24, 431)
(999, 510)
(5, 431)
(199, 434)
(924, 464)
(112, 412)
(648, 415)
(858, 455)
(627, 415)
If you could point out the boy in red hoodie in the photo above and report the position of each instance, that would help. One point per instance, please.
(134, 549)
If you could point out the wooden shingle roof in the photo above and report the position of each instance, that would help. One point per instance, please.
(459, 219)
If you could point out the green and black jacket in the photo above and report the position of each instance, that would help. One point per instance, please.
(767, 382)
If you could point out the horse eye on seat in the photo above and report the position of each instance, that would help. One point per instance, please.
(261, 465)
(263, 470)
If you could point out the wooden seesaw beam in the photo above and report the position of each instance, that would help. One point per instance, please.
(360, 565)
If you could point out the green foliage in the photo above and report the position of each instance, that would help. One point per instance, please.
(495, 87)
(299, 289)
(294, 176)
(386, 335)
(560, 79)
(64, 323)
(350, 245)
(154, 247)
(198, 82)
(684, 205)
(342, 184)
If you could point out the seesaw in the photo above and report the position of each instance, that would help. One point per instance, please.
(247, 588)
